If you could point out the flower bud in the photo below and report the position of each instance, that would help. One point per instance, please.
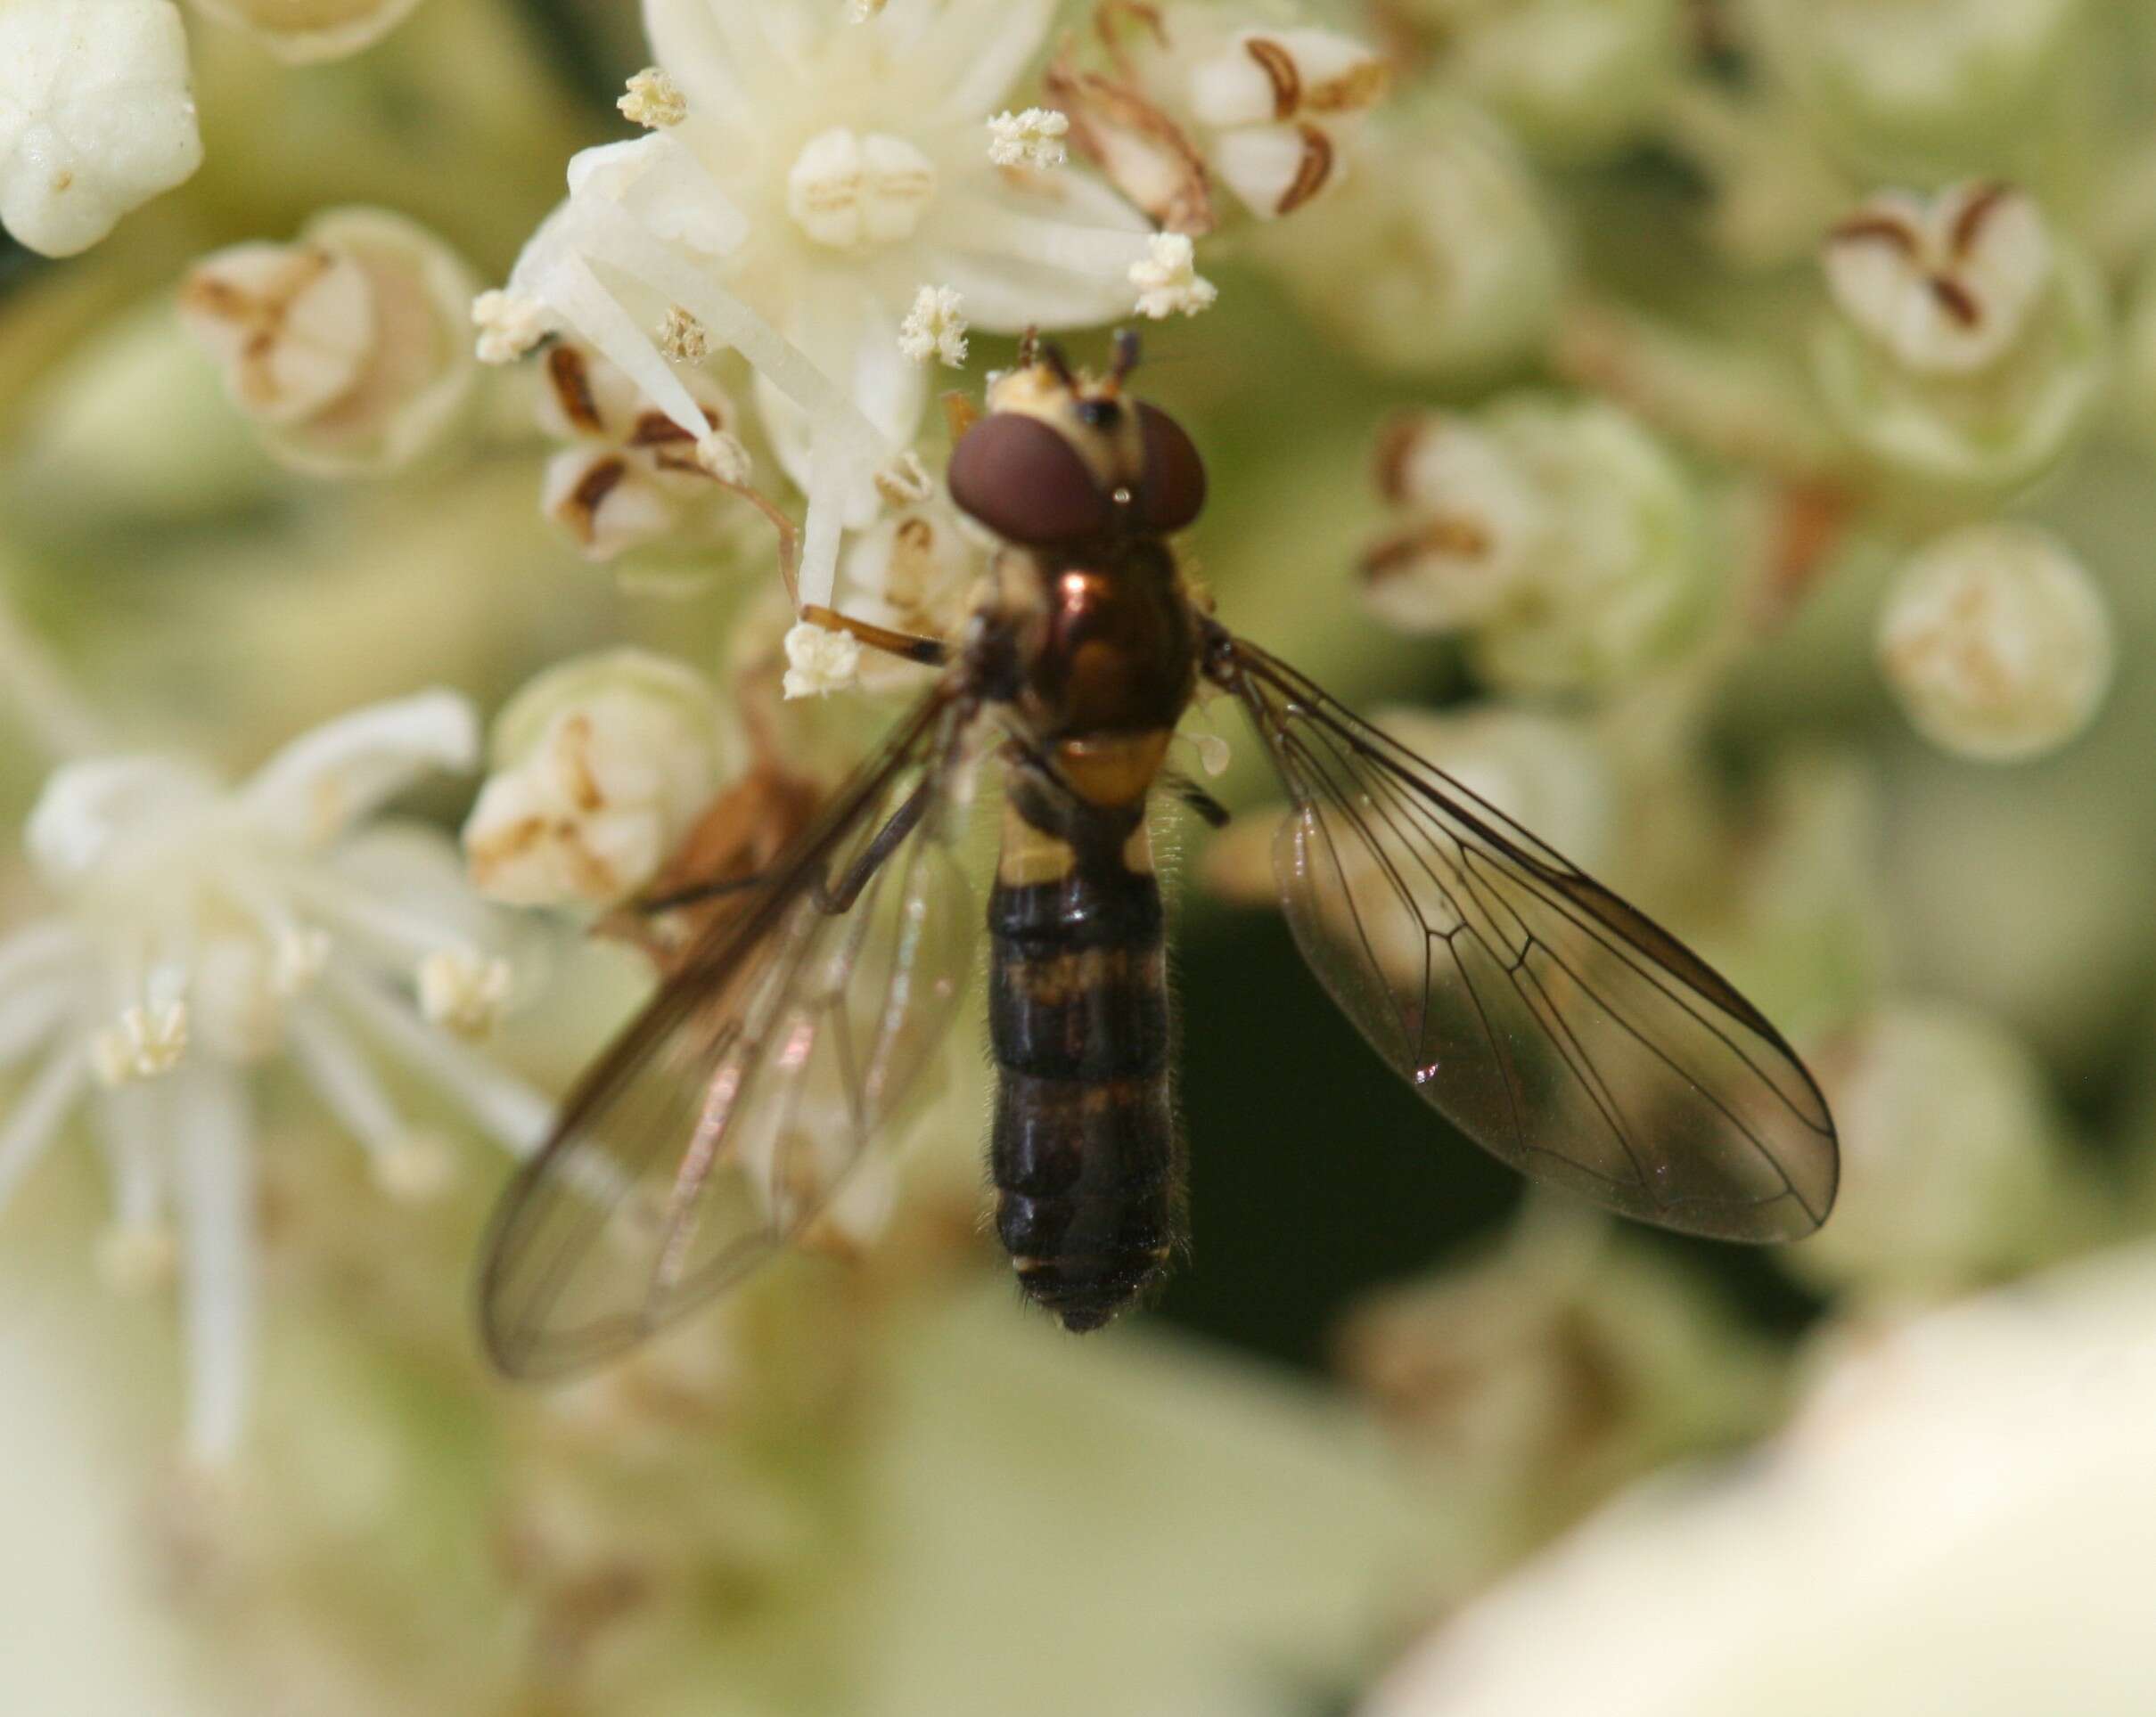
(347, 346)
(1537, 1378)
(1971, 346)
(1950, 1156)
(1997, 643)
(631, 475)
(1575, 78)
(1196, 97)
(96, 116)
(305, 32)
(1922, 87)
(1435, 259)
(1560, 536)
(601, 767)
(1476, 521)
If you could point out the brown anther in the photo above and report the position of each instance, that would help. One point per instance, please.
(1970, 223)
(1311, 173)
(1279, 67)
(586, 499)
(570, 378)
(1956, 300)
(657, 429)
(1882, 227)
(1395, 440)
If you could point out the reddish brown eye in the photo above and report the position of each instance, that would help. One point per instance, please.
(1027, 484)
(1172, 491)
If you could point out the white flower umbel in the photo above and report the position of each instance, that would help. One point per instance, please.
(96, 116)
(204, 929)
(825, 169)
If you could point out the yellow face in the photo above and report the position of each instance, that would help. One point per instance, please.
(1093, 416)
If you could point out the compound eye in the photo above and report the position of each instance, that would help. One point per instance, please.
(1171, 493)
(1026, 483)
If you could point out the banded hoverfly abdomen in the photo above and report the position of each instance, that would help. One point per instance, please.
(1085, 1151)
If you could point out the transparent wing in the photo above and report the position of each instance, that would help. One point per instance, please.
(728, 1115)
(1551, 1023)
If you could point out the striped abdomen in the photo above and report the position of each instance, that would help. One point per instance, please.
(1085, 1152)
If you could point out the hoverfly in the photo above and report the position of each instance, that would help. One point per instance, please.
(1540, 1014)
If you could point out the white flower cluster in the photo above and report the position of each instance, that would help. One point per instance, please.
(203, 930)
(815, 192)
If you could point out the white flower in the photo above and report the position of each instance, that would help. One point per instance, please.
(1560, 535)
(1475, 522)
(205, 929)
(343, 346)
(96, 116)
(1167, 280)
(820, 662)
(630, 474)
(823, 169)
(601, 767)
(1193, 95)
(1034, 138)
(936, 327)
(1946, 284)
(1997, 642)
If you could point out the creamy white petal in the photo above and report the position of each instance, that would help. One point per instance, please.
(128, 1124)
(86, 807)
(324, 782)
(206, 1109)
(39, 1109)
(990, 42)
(341, 1077)
(34, 950)
(503, 1105)
(686, 39)
(30, 1012)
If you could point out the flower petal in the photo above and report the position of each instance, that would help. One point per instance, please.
(213, 1187)
(989, 41)
(39, 1110)
(324, 782)
(85, 807)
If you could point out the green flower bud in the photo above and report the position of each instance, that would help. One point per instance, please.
(1435, 257)
(1997, 642)
(1969, 346)
(1537, 1378)
(1560, 536)
(1951, 1156)
(1921, 87)
(1575, 76)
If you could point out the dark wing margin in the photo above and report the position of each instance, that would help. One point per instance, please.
(1554, 1024)
(730, 1115)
